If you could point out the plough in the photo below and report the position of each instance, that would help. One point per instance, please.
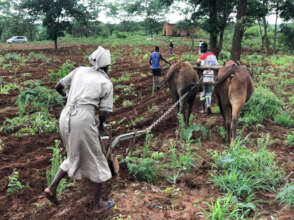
(135, 134)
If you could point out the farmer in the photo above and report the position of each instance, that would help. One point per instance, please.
(207, 59)
(154, 61)
(171, 48)
(89, 89)
(199, 46)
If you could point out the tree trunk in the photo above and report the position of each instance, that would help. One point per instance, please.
(221, 40)
(266, 40)
(239, 30)
(213, 26)
(193, 37)
(55, 43)
(261, 35)
(276, 22)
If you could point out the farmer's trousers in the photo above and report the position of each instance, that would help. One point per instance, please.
(206, 94)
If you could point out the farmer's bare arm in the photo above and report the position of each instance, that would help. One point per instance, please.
(60, 89)
(164, 60)
(102, 118)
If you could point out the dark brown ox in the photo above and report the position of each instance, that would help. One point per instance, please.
(233, 89)
(181, 77)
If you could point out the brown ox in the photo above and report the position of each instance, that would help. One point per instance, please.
(233, 89)
(181, 77)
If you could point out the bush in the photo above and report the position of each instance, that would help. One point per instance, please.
(37, 99)
(65, 69)
(262, 104)
(284, 119)
(242, 172)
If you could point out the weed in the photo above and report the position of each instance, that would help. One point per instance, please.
(38, 56)
(26, 75)
(37, 99)
(56, 160)
(284, 119)
(290, 139)
(5, 89)
(262, 104)
(127, 103)
(243, 172)
(222, 132)
(36, 123)
(286, 194)
(65, 69)
(13, 57)
(186, 133)
(14, 184)
(228, 207)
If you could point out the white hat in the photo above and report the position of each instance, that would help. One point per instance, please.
(100, 58)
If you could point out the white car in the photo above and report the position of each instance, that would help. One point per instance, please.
(17, 39)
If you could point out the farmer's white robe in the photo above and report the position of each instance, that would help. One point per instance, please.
(89, 89)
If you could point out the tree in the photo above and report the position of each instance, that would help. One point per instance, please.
(190, 26)
(57, 15)
(216, 14)
(239, 30)
(152, 10)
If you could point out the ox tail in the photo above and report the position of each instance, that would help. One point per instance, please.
(169, 75)
(227, 75)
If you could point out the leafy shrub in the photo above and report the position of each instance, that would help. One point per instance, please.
(14, 184)
(262, 104)
(224, 56)
(37, 99)
(144, 169)
(120, 35)
(284, 119)
(65, 69)
(243, 172)
(290, 139)
(286, 194)
(56, 160)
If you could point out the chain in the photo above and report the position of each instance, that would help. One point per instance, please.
(154, 124)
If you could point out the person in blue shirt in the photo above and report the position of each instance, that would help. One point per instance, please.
(154, 61)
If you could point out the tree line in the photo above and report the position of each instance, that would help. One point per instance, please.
(43, 19)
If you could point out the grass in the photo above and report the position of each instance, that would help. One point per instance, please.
(243, 172)
(56, 160)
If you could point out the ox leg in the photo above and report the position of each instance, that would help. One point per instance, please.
(235, 115)
(228, 119)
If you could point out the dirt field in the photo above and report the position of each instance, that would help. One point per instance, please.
(134, 200)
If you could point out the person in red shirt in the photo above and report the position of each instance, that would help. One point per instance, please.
(207, 59)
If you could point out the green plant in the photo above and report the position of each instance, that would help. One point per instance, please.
(38, 98)
(242, 171)
(14, 184)
(228, 207)
(290, 139)
(286, 194)
(13, 57)
(38, 56)
(56, 160)
(5, 89)
(222, 132)
(26, 75)
(186, 133)
(284, 119)
(65, 69)
(127, 103)
(262, 104)
(36, 123)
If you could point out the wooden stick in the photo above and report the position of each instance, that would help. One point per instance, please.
(206, 67)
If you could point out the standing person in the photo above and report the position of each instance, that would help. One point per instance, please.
(90, 89)
(154, 61)
(199, 46)
(207, 59)
(171, 48)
